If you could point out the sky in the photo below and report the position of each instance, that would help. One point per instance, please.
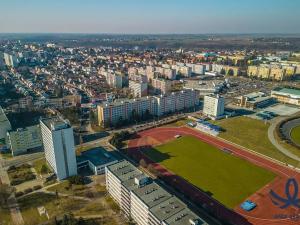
(150, 16)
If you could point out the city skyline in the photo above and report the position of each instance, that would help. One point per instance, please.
(155, 17)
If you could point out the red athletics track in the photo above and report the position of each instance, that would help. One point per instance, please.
(263, 214)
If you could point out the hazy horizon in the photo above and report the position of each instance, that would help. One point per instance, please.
(150, 17)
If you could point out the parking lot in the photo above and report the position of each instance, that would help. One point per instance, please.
(274, 111)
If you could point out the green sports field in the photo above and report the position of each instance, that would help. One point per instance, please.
(295, 134)
(227, 178)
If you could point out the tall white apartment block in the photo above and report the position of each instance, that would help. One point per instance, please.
(138, 88)
(58, 141)
(214, 106)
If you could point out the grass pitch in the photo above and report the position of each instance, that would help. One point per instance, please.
(252, 134)
(225, 177)
(295, 134)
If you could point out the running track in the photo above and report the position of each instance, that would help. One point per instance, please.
(262, 215)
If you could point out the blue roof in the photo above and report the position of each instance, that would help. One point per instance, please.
(96, 156)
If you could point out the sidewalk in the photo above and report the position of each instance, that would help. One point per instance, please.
(12, 201)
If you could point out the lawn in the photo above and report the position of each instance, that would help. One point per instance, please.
(252, 134)
(5, 218)
(227, 178)
(39, 164)
(178, 123)
(20, 174)
(295, 135)
(65, 188)
(54, 206)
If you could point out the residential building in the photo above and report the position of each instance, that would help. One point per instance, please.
(111, 113)
(121, 179)
(114, 80)
(24, 139)
(11, 60)
(287, 95)
(144, 200)
(4, 124)
(274, 71)
(214, 106)
(58, 141)
(161, 86)
(138, 88)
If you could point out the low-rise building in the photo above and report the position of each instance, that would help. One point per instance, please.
(96, 160)
(287, 95)
(253, 100)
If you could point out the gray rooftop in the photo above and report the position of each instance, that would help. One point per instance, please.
(289, 91)
(167, 208)
(96, 156)
(152, 194)
(184, 217)
(55, 123)
(127, 173)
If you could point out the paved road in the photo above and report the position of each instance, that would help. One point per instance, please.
(273, 140)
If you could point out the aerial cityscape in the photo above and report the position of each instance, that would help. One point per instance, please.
(149, 112)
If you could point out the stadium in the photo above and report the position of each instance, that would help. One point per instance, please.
(214, 174)
(290, 131)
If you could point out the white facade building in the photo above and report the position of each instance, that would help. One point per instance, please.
(145, 201)
(138, 89)
(214, 106)
(58, 141)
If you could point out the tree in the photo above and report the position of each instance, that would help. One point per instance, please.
(230, 72)
(223, 72)
(143, 163)
(44, 169)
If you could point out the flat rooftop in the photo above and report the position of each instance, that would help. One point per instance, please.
(126, 173)
(152, 194)
(167, 208)
(96, 156)
(55, 123)
(290, 91)
(185, 217)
